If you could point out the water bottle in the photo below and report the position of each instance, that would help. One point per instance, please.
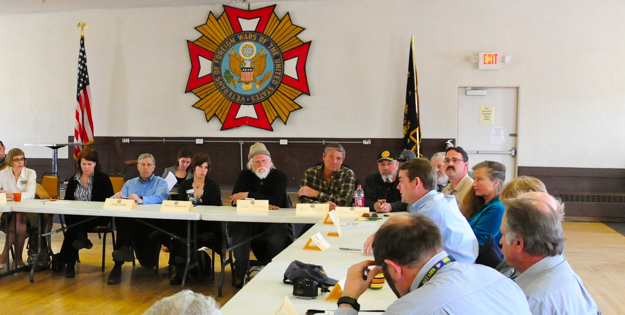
(359, 197)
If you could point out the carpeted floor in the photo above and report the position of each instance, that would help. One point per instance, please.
(619, 227)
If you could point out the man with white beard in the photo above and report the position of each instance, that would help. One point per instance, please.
(381, 193)
(438, 159)
(262, 181)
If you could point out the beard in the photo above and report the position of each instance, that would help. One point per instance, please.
(387, 177)
(261, 172)
(442, 180)
(390, 281)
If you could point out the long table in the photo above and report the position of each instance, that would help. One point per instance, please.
(265, 293)
(91, 208)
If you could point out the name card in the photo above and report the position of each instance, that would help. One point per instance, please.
(119, 204)
(252, 205)
(337, 224)
(3, 199)
(312, 209)
(351, 211)
(176, 206)
(286, 308)
(320, 243)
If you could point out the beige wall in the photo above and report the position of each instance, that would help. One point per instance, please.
(567, 59)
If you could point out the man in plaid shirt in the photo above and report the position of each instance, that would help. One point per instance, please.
(330, 182)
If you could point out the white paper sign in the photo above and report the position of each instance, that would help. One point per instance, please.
(176, 206)
(3, 199)
(336, 221)
(351, 211)
(312, 209)
(497, 136)
(320, 241)
(119, 204)
(251, 205)
(487, 115)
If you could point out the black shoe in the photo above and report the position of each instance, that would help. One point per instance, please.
(239, 280)
(80, 244)
(124, 254)
(70, 272)
(115, 277)
(177, 279)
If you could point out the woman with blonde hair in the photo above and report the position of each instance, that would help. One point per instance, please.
(521, 185)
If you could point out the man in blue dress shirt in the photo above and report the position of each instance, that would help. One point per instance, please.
(145, 189)
(426, 279)
(417, 185)
(533, 243)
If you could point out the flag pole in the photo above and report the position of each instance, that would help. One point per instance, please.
(416, 89)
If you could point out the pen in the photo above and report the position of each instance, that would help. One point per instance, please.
(351, 249)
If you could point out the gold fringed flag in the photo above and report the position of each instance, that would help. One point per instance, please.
(412, 130)
(83, 130)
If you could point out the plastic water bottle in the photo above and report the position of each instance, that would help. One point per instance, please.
(359, 197)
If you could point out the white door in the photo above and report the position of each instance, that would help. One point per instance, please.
(487, 125)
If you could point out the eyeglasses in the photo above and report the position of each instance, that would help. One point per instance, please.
(455, 160)
(19, 160)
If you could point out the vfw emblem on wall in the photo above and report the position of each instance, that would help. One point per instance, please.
(248, 67)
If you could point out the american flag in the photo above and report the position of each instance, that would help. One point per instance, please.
(83, 131)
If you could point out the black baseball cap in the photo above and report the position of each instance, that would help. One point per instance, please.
(387, 155)
(298, 269)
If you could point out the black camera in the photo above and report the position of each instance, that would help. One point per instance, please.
(305, 288)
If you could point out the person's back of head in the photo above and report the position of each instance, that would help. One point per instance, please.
(537, 223)
(407, 240)
(185, 302)
(521, 185)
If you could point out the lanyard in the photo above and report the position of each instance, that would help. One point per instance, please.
(440, 264)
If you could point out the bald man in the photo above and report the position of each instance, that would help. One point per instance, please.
(533, 242)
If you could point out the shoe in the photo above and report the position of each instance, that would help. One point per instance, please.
(115, 277)
(70, 272)
(80, 244)
(239, 280)
(124, 254)
(1, 266)
(177, 278)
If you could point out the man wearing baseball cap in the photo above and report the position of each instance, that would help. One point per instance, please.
(381, 193)
(261, 181)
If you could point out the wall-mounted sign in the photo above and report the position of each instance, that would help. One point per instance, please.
(490, 61)
(487, 115)
(248, 67)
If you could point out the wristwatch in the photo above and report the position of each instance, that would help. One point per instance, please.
(350, 301)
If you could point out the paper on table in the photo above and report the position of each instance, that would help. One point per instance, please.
(171, 180)
(286, 308)
(358, 223)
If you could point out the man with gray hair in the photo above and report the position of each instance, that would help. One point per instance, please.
(533, 242)
(329, 182)
(262, 181)
(185, 302)
(438, 159)
(145, 189)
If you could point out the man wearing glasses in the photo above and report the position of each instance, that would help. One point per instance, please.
(457, 169)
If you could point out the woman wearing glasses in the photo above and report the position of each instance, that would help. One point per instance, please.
(17, 178)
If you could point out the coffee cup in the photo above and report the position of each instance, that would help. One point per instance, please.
(17, 197)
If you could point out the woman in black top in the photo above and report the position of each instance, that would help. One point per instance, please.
(200, 190)
(89, 184)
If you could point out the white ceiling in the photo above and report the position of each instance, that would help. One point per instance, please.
(27, 6)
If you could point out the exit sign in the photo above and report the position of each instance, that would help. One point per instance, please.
(490, 61)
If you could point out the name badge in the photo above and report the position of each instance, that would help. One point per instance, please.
(176, 206)
(119, 204)
(24, 182)
(252, 205)
(351, 211)
(3, 199)
(312, 209)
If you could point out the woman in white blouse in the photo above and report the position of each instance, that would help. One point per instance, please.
(17, 178)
